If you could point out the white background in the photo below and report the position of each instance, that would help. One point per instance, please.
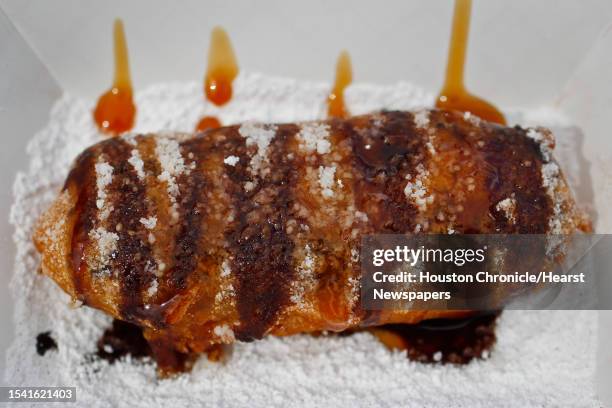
(520, 51)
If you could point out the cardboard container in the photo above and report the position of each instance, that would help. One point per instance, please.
(525, 54)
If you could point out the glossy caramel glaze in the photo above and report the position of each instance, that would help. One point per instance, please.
(115, 111)
(454, 95)
(220, 74)
(246, 231)
(336, 106)
(208, 122)
(222, 68)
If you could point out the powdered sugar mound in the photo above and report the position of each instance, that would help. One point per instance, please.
(540, 359)
(365, 98)
(546, 116)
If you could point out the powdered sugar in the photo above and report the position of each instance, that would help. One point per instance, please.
(306, 278)
(473, 119)
(540, 359)
(550, 181)
(507, 206)
(107, 244)
(149, 222)
(136, 161)
(315, 137)
(225, 269)
(173, 165)
(224, 332)
(226, 290)
(260, 136)
(416, 189)
(104, 176)
(326, 180)
(544, 139)
(421, 118)
(231, 160)
(152, 289)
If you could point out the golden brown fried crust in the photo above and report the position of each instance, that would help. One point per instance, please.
(250, 230)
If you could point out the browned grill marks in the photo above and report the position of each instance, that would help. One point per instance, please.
(82, 177)
(192, 208)
(261, 249)
(133, 259)
(515, 160)
(218, 234)
(380, 156)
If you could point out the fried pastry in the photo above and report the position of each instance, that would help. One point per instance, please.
(253, 230)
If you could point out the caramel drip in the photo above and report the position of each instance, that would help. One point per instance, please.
(115, 111)
(454, 95)
(208, 122)
(344, 76)
(221, 71)
(222, 68)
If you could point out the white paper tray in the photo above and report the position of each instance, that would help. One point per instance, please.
(527, 54)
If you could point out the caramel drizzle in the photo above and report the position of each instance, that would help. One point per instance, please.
(115, 111)
(128, 196)
(259, 243)
(222, 68)
(454, 95)
(208, 122)
(336, 107)
(220, 74)
(260, 246)
(193, 188)
(122, 65)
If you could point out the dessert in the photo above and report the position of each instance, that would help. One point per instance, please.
(253, 230)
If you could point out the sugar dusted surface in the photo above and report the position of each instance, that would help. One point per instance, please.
(314, 136)
(541, 358)
(415, 189)
(149, 222)
(104, 176)
(107, 244)
(507, 206)
(173, 165)
(326, 180)
(260, 136)
(231, 160)
(136, 161)
(421, 119)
